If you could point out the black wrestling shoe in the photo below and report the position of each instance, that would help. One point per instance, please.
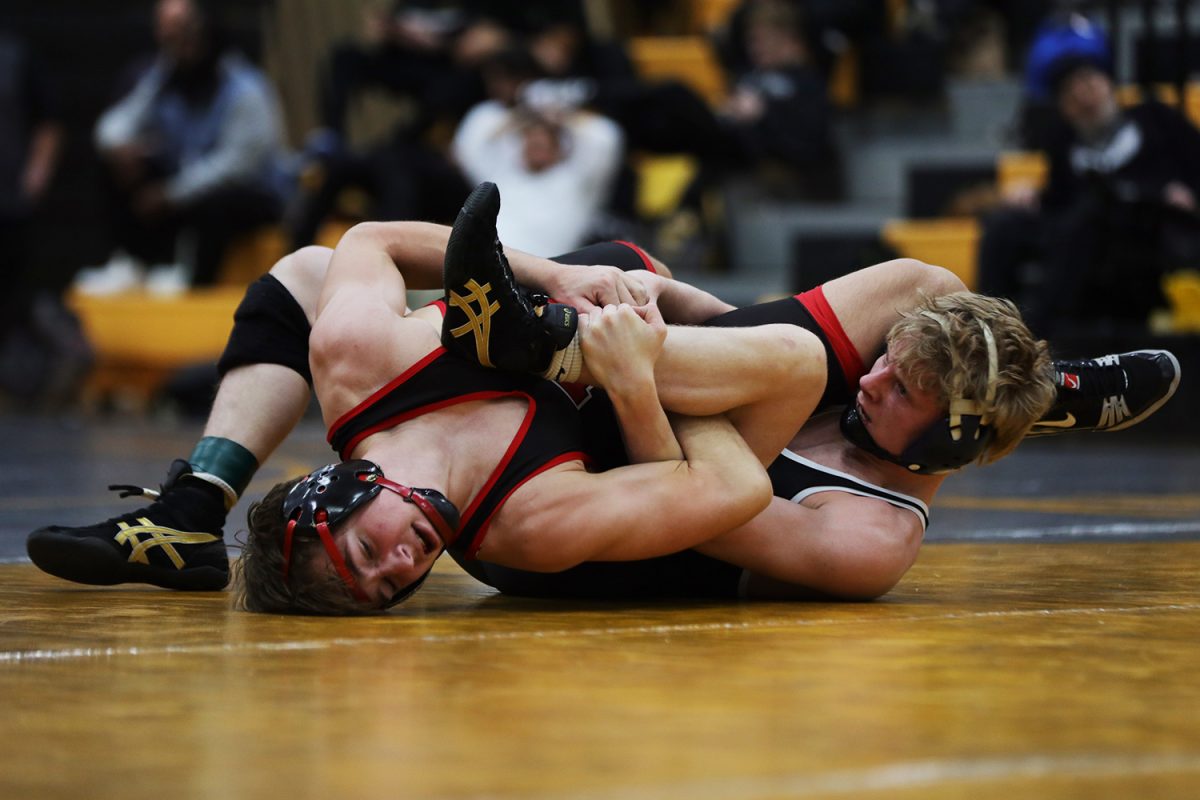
(175, 542)
(490, 318)
(1109, 393)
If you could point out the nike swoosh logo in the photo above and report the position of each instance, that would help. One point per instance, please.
(1068, 422)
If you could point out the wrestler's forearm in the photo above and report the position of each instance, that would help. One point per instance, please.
(419, 249)
(644, 425)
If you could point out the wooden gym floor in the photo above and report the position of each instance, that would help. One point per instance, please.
(1046, 644)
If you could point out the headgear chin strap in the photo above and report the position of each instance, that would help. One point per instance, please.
(952, 442)
(323, 499)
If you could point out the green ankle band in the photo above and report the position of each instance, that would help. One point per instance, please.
(224, 459)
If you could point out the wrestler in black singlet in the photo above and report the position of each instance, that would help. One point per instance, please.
(562, 423)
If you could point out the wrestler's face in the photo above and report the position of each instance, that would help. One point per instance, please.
(387, 545)
(894, 410)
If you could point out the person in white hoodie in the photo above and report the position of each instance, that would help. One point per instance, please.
(556, 168)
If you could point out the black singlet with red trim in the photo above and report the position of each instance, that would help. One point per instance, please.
(551, 432)
(562, 423)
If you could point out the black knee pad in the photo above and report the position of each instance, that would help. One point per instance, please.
(269, 327)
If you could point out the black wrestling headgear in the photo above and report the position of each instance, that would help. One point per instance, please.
(323, 499)
(953, 441)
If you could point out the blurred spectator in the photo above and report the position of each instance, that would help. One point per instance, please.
(400, 178)
(778, 111)
(555, 169)
(1062, 35)
(426, 50)
(778, 114)
(42, 352)
(656, 116)
(830, 27)
(1119, 208)
(438, 56)
(193, 154)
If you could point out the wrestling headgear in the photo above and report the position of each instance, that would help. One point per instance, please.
(953, 441)
(323, 499)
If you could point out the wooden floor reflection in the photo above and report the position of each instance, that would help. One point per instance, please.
(996, 670)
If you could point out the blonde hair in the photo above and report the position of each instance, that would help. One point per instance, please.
(970, 347)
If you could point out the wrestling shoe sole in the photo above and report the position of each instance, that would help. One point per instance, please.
(94, 561)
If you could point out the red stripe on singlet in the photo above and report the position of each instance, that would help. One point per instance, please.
(477, 542)
(408, 373)
(640, 253)
(847, 356)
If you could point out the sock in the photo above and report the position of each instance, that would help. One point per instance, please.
(567, 364)
(225, 464)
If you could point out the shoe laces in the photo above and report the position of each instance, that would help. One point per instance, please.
(179, 468)
(1098, 377)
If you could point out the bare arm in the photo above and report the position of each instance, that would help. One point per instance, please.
(362, 270)
(622, 348)
(362, 302)
(681, 303)
(417, 249)
(834, 544)
(563, 518)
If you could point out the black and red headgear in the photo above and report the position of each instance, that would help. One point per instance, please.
(326, 497)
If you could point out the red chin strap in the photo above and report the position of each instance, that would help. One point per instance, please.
(445, 531)
(331, 548)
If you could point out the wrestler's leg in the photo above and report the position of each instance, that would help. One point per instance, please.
(868, 302)
(262, 396)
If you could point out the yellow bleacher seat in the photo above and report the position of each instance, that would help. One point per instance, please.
(251, 255)
(139, 340)
(1182, 289)
(688, 59)
(662, 181)
(949, 243)
(843, 80)
(1021, 168)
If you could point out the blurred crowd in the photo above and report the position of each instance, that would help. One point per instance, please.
(193, 151)
(1117, 212)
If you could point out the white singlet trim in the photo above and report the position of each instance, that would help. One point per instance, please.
(897, 499)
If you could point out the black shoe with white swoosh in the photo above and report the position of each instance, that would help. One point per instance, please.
(1109, 393)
